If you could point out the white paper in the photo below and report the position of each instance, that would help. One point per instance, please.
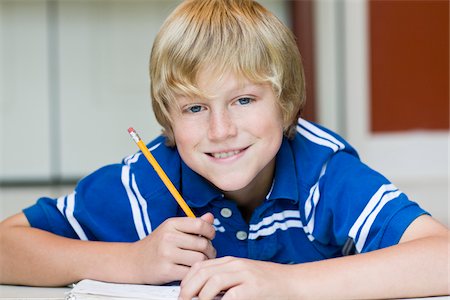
(92, 289)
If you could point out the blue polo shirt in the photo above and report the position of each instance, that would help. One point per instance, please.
(323, 203)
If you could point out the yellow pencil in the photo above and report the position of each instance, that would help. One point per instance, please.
(151, 159)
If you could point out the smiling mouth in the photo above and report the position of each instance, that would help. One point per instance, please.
(226, 154)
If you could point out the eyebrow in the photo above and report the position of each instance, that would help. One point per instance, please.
(240, 87)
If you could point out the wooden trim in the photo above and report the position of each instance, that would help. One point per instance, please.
(302, 26)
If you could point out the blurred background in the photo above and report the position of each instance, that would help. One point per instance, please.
(74, 77)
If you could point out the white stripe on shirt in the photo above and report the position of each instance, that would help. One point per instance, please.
(69, 210)
(135, 157)
(132, 158)
(317, 140)
(308, 210)
(282, 220)
(315, 200)
(154, 147)
(133, 202)
(60, 204)
(311, 203)
(321, 133)
(275, 217)
(369, 208)
(369, 222)
(143, 204)
(275, 226)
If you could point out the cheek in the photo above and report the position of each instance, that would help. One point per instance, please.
(181, 138)
(186, 135)
(182, 142)
(274, 120)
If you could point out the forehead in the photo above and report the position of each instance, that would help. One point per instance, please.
(211, 82)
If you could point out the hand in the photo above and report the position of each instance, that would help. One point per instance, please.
(168, 252)
(239, 278)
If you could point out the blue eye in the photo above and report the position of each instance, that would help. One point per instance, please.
(194, 109)
(245, 100)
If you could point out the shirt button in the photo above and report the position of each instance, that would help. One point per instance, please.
(226, 212)
(241, 235)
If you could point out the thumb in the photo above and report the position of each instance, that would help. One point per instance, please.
(208, 217)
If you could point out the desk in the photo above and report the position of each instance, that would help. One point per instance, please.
(26, 292)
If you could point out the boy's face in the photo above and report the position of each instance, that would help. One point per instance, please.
(232, 137)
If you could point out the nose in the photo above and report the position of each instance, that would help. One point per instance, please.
(221, 126)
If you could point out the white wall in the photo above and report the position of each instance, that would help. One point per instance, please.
(73, 78)
(24, 98)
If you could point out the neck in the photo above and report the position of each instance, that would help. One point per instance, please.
(252, 195)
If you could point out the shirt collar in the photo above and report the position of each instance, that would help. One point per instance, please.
(197, 191)
(285, 181)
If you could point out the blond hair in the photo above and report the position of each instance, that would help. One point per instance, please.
(240, 36)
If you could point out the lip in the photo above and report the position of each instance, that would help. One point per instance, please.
(227, 155)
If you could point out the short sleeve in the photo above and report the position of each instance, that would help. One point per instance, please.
(357, 204)
(44, 214)
(106, 206)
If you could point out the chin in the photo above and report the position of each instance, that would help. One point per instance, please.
(233, 186)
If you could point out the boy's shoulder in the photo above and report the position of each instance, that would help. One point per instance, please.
(164, 154)
(314, 146)
(322, 140)
(136, 168)
(167, 157)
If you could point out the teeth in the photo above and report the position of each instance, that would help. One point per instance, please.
(225, 154)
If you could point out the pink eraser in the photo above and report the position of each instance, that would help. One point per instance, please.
(130, 130)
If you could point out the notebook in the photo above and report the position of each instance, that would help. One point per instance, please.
(92, 289)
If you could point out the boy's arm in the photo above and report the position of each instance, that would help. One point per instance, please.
(418, 266)
(30, 256)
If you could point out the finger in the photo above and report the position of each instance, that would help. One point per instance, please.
(208, 217)
(170, 272)
(204, 269)
(237, 292)
(210, 286)
(210, 251)
(196, 226)
(218, 283)
(188, 258)
(196, 243)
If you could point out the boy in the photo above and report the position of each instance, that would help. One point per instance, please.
(283, 203)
